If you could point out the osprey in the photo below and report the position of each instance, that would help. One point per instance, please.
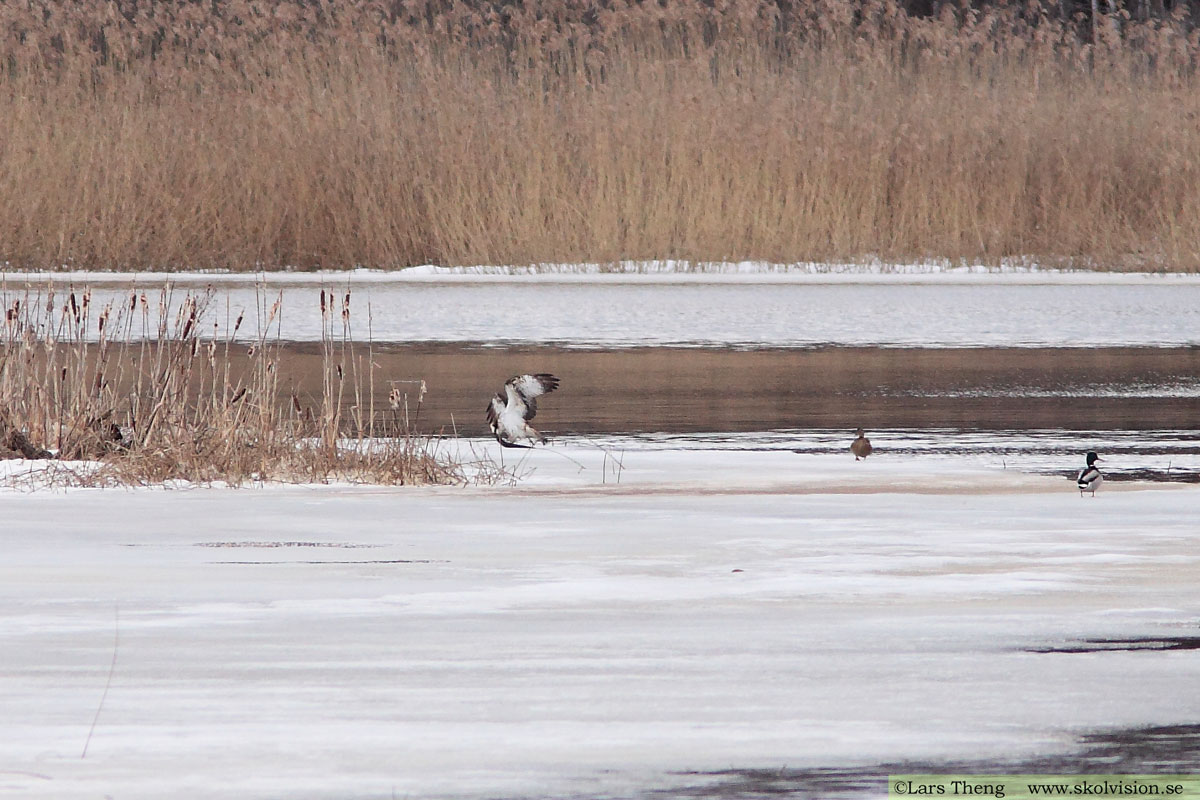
(510, 410)
(861, 447)
(1089, 479)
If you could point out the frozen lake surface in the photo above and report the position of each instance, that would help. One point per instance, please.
(756, 310)
(1156, 455)
(694, 591)
(718, 611)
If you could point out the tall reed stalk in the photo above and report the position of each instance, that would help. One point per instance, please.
(153, 388)
(280, 133)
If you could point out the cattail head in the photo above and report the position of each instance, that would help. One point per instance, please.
(190, 324)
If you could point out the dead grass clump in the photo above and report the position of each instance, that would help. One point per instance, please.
(282, 133)
(152, 389)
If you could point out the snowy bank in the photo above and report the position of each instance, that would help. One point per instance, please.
(580, 637)
(636, 272)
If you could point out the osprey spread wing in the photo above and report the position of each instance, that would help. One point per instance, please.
(511, 409)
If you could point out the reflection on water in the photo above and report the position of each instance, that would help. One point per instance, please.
(1032, 410)
(679, 390)
(1189, 388)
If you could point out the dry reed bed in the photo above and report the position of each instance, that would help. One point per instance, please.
(288, 134)
(155, 388)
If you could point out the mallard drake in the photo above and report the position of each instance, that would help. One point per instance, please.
(1089, 479)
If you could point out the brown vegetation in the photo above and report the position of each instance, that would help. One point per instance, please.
(153, 389)
(273, 133)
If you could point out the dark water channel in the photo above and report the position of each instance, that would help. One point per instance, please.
(1033, 409)
(695, 390)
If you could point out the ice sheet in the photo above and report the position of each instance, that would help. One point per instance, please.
(722, 309)
(579, 637)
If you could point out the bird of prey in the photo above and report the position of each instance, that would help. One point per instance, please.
(512, 408)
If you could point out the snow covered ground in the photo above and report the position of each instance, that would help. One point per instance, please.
(632, 613)
(742, 306)
(576, 636)
(660, 271)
